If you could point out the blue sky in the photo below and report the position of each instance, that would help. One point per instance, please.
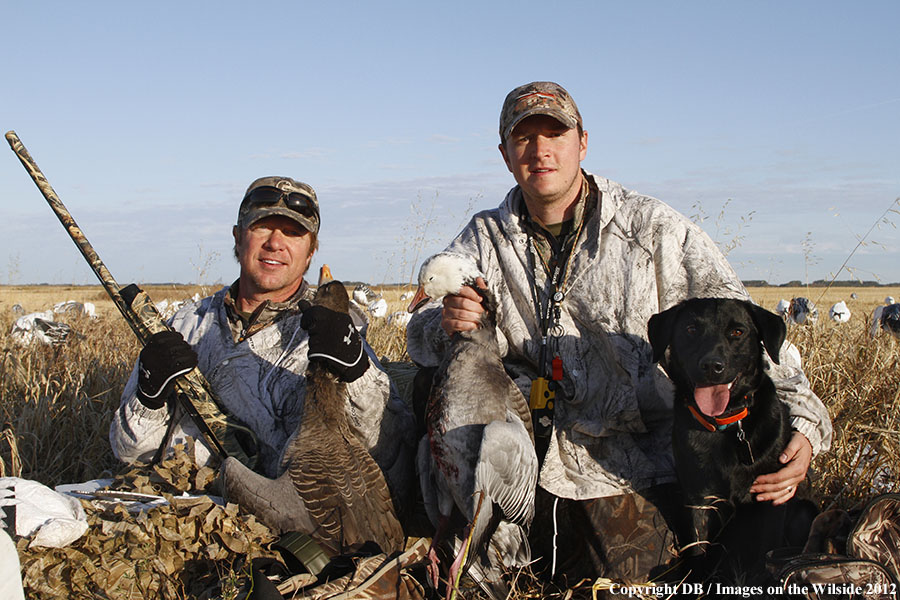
(779, 121)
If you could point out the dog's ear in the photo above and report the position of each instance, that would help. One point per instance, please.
(771, 329)
(659, 331)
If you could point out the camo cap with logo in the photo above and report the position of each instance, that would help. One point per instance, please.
(538, 98)
(269, 196)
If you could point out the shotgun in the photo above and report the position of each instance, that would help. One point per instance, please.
(191, 389)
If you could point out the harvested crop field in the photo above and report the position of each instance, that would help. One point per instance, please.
(56, 404)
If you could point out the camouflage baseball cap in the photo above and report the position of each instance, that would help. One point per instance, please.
(268, 196)
(538, 98)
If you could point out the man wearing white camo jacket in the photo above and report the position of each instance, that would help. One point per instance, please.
(588, 262)
(248, 342)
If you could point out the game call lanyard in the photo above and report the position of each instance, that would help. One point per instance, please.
(543, 390)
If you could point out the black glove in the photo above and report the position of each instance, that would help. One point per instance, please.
(334, 341)
(165, 356)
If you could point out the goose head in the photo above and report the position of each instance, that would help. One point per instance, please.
(443, 274)
(333, 295)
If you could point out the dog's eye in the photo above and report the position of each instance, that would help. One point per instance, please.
(691, 329)
(737, 332)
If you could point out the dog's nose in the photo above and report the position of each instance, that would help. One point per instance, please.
(712, 365)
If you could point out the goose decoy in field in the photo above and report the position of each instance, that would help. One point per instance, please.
(479, 447)
(839, 312)
(75, 308)
(399, 318)
(783, 308)
(363, 294)
(40, 327)
(378, 308)
(886, 318)
(802, 310)
(332, 487)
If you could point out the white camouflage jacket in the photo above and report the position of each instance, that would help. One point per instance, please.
(261, 381)
(634, 257)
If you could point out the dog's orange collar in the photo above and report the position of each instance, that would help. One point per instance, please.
(721, 422)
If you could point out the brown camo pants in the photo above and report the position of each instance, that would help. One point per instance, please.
(627, 538)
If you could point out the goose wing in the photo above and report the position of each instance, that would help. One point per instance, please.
(511, 398)
(379, 518)
(344, 491)
(507, 469)
(321, 475)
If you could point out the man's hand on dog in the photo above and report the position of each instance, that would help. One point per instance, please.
(462, 311)
(779, 487)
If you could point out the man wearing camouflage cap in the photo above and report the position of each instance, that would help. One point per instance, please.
(581, 262)
(249, 342)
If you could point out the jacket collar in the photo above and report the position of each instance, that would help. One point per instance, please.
(243, 326)
(611, 196)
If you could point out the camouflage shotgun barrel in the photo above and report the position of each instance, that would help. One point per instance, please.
(192, 391)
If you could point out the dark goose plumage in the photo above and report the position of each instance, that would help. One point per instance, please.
(332, 487)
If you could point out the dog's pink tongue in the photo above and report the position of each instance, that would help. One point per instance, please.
(712, 400)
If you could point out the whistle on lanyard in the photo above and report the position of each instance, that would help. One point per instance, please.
(557, 369)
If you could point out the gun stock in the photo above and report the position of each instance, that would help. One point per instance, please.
(135, 305)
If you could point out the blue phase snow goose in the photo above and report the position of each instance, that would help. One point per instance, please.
(477, 463)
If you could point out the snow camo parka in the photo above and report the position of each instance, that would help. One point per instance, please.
(635, 256)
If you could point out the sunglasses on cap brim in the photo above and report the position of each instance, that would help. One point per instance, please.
(270, 196)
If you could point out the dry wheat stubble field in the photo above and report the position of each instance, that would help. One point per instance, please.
(56, 403)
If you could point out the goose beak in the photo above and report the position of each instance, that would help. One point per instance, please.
(325, 275)
(418, 300)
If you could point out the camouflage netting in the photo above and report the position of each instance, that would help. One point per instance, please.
(190, 548)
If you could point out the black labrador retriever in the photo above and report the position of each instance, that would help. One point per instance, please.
(729, 426)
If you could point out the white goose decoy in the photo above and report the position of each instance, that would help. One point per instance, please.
(399, 318)
(839, 313)
(363, 294)
(75, 308)
(378, 308)
(40, 327)
(783, 308)
(479, 446)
